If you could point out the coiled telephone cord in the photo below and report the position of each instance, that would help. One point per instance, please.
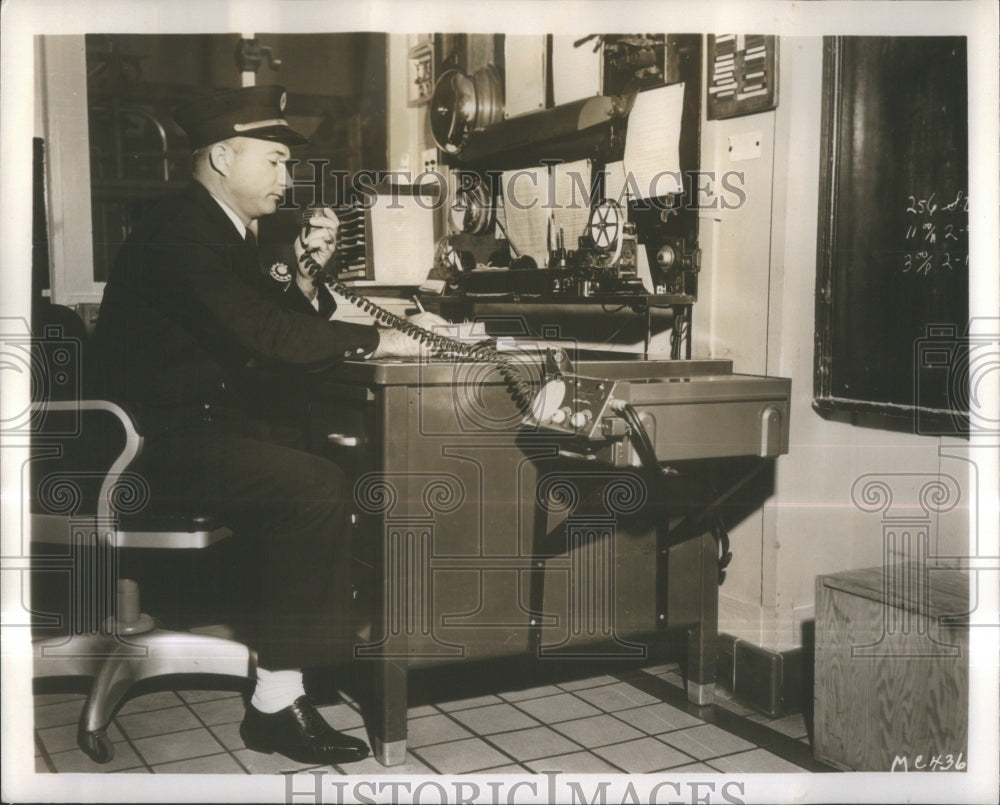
(521, 390)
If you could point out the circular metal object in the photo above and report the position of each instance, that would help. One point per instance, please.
(666, 257)
(605, 227)
(447, 258)
(460, 104)
(472, 210)
(97, 745)
(488, 83)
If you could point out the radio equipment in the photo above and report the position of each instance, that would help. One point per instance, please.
(462, 104)
(676, 261)
(603, 410)
(467, 121)
(648, 412)
(605, 262)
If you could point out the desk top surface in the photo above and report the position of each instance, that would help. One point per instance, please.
(400, 371)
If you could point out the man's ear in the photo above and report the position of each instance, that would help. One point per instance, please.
(219, 157)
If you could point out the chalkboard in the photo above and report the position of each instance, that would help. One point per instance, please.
(893, 265)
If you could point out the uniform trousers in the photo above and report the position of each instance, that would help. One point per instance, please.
(289, 511)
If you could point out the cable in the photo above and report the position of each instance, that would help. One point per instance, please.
(647, 455)
(677, 335)
(509, 241)
(721, 536)
(520, 389)
(640, 439)
(611, 337)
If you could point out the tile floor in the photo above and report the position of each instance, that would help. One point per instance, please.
(634, 720)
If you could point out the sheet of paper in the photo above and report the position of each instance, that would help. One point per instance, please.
(526, 212)
(576, 72)
(402, 245)
(524, 68)
(571, 207)
(652, 144)
(614, 182)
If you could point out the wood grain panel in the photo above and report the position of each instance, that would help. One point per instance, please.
(887, 687)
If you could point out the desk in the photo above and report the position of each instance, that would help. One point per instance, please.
(477, 538)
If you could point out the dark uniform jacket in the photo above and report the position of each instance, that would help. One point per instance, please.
(192, 327)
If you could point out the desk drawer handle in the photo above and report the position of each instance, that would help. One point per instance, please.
(342, 440)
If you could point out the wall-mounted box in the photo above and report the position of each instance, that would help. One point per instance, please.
(420, 74)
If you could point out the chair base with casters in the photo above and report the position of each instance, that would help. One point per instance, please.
(118, 661)
(122, 649)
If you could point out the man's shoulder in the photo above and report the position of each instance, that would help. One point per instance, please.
(187, 215)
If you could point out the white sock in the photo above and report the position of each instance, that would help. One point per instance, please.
(276, 690)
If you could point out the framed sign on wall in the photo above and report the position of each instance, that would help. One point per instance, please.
(742, 75)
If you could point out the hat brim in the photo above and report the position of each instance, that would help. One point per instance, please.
(276, 134)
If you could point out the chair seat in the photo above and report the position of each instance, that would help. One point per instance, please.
(170, 530)
(135, 531)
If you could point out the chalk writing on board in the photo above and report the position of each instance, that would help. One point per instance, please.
(937, 234)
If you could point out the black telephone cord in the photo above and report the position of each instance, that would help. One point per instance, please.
(521, 390)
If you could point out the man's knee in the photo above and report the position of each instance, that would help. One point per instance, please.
(320, 484)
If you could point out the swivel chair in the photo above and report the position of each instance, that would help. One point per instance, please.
(109, 638)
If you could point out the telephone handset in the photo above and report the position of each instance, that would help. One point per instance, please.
(519, 387)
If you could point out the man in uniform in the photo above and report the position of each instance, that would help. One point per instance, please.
(190, 330)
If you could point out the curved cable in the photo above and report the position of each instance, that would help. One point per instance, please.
(640, 439)
(521, 390)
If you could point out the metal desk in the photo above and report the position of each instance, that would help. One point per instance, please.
(478, 538)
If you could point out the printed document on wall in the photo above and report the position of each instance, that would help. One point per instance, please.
(571, 206)
(524, 71)
(525, 212)
(652, 144)
(615, 187)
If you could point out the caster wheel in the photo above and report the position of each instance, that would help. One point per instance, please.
(97, 745)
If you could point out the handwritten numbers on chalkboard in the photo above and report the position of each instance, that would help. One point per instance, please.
(937, 236)
(893, 258)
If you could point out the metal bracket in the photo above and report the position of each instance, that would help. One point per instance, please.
(250, 53)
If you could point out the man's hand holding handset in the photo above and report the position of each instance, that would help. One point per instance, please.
(318, 240)
(314, 247)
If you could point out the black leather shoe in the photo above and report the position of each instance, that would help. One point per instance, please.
(299, 732)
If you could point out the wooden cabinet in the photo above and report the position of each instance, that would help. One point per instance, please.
(892, 669)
